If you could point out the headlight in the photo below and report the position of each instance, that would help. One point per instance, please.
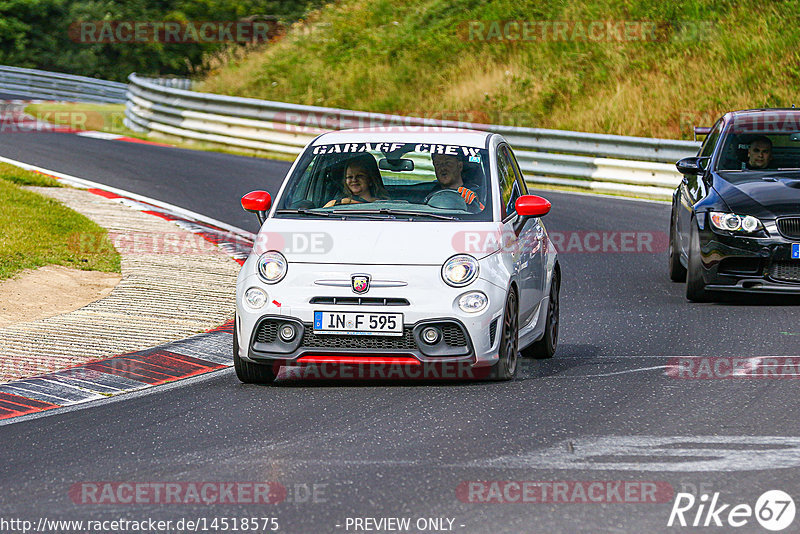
(735, 223)
(473, 302)
(272, 267)
(255, 298)
(460, 270)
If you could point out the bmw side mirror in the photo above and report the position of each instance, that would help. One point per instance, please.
(257, 202)
(692, 165)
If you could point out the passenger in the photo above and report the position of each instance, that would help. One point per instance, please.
(362, 182)
(759, 154)
(448, 171)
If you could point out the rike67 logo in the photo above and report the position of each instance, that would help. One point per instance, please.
(774, 510)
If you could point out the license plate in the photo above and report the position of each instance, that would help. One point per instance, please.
(358, 323)
(796, 251)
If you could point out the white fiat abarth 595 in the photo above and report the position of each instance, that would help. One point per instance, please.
(395, 248)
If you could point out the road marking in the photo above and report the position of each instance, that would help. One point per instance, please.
(99, 135)
(660, 453)
(615, 372)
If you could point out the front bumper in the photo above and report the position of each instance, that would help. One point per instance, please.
(265, 345)
(749, 264)
(467, 338)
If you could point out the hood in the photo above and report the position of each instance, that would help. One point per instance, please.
(762, 194)
(376, 242)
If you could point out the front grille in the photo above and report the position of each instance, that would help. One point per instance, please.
(360, 301)
(788, 271)
(334, 341)
(453, 336)
(789, 227)
(267, 332)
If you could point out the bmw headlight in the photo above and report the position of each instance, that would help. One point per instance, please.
(460, 270)
(732, 222)
(272, 267)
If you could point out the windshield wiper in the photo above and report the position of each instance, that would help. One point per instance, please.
(404, 213)
(303, 212)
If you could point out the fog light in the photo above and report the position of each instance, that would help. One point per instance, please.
(255, 298)
(430, 335)
(473, 302)
(287, 332)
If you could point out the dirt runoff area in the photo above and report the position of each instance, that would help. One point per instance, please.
(52, 290)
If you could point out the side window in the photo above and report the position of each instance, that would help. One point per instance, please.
(711, 140)
(523, 187)
(509, 182)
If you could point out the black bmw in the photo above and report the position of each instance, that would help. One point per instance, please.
(735, 222)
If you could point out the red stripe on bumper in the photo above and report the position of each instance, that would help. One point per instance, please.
(358, 360)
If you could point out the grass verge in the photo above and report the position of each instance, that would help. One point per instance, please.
(631, 68)
(36, 231)
(84, 116)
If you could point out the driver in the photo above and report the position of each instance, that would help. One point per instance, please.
(448, 176)
(759, 154)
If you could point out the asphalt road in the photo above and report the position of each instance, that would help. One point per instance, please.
(602, 410)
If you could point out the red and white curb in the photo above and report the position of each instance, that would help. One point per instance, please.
(138, 370)
(134, 371)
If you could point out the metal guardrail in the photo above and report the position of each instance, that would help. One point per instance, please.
(610, 163)
(34, 83)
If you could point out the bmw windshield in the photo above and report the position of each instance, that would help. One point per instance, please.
(414, 181)
(761, 143)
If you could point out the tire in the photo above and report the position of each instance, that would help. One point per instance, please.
(506, 366)
(250, 373)
(677, 272)
(546, 347)
(695, 285)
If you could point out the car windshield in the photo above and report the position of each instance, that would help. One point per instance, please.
(762, 142)
(414, 181)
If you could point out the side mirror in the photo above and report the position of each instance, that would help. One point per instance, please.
(692, 165)
(532, 206)
(257, 202)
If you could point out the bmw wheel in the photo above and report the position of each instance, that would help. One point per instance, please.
(695, 285)
(677, 272)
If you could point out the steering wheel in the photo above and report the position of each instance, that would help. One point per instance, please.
(447, 199)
